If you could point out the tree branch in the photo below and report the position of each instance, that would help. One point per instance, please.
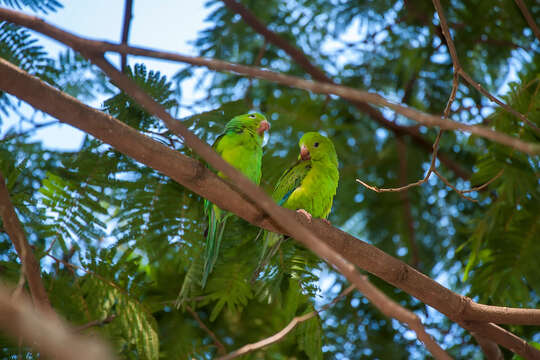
(528, 17)
(102, 322)
(45, 332)
(90, 48)
(195, 176)
(392, 309)
(30, 266)
(319, 75)
(489, 348)
(286, 330)
(128, 16)
(221, 350)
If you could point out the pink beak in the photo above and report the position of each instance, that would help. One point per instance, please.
(263, 126)
(304, 153)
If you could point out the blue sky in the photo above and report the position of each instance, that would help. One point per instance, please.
(166, 25)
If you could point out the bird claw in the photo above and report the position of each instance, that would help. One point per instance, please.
(326, 221)
(305, 213)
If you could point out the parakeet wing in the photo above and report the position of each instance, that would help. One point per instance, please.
(290, 181)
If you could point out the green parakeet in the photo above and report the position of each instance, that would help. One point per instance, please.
(241, 146)
(308, 187)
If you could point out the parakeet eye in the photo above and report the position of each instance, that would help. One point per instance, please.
(251, 116)
(316, 144)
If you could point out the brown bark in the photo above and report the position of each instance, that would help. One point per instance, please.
(30, 265)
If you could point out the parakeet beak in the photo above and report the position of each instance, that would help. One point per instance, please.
(304, 153)
(263, 126)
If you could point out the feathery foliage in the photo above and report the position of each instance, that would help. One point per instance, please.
(126, 241)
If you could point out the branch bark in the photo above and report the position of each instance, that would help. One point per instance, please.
(528, 17)
(195, 176)
(45, 332)
(91, 48)
(30, 266)
(128, 16)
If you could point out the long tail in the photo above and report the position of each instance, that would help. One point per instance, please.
(217, 220)
(272, 242)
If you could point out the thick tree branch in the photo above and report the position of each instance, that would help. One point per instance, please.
(128, 16)
(45, 332)
(528, 17)
(90, 48)
(195, 176)
(30, 265)
(319, 75)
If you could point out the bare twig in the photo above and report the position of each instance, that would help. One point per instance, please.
(283, 332)
(102, 322)
(198, 178)
(31, 130)
(91, 48)
(97, 276)
(528, 17)
(128, 16)
(30, 266)
(45, 332)
(221, 349)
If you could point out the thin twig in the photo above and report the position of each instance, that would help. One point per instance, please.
(528, 17)
(102, 322)
(89, 272)
(221, 349)
(31, 130)
(283, 332)
(506, 107)
(128, 15)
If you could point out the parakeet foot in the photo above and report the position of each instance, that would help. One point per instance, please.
(326, 221)
(305, 213)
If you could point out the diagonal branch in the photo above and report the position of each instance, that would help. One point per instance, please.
(392, 309)
(283, 332)
(528, 17)
(198, 178)
(319, 75)
(221, 348)
(30, 266)
(90, 48)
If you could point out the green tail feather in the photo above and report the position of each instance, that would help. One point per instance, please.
(217, 220)
(272, 242)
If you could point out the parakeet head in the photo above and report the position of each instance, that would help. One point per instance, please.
(255, 122)
(317, 147)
